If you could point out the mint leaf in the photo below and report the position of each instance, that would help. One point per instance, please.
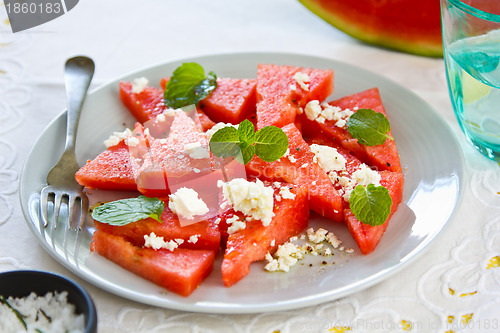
(246, 132)
(270, 143)
(125, 211)
(188, 85)
(369, 127)
(371, 204)
(225, 142)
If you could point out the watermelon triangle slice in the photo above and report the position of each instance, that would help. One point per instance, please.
(300, 168)
(252, 243)
(148, 104)
(384, 156)
(366, 236)
(283, 90)
(180, 271)
(113, 169)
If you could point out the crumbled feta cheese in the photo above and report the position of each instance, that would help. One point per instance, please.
(293, 87)
(317, 236)
(251, 198)
(161, 117)
(302, 80)
(196, 170)
(193, 239)
(132, 141)
(139, 84)
(328, 158)
(365, 176)
(333, 240)
(285, 193)
(115, 139)
(287, 256)
(196, 151)
(236, 226)
(292, 158)
(325, 111)
(312, 110)
(273, 242)
(217, 127)
(179, 241)
(185, 203)
(157, 242)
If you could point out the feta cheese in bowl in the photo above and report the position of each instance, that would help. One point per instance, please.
(36, 301)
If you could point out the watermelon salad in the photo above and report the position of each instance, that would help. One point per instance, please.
(233, 167)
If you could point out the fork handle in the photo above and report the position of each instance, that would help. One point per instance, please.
(78, 73)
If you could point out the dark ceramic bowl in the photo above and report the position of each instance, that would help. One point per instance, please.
(22, 283)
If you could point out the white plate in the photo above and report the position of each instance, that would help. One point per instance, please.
(430, 155)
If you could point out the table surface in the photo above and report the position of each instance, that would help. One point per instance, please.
(454, 283)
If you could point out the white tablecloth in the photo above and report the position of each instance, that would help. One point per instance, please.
(456, 281)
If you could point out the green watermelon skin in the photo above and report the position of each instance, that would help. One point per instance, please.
(402, 25)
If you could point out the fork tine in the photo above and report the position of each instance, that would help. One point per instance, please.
(57, 205)
(76, 214)
(84, 207)
(43, 207)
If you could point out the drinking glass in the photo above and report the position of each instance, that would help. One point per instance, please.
(471, 40)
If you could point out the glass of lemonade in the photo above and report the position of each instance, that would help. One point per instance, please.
(471, 40)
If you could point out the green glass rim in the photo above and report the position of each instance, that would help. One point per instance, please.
(474, 11)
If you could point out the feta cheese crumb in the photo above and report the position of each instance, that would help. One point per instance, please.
(312, 110)
(329, 158)
(193, 239)
(116, 137)
(157, 242)
(287, 256)
(364, 176)
(251, 198)
(132, 141)
(139, 84)
(285, 193)
(196, 151)
(185, 203)
(302, 80)
(217, 127)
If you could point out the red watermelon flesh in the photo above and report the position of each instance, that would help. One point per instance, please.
(384, 156)
(231, 102)
(148, 103)
(277, 103)
(113, 169)
(180, 271)
(170, 229)
(252, 243)
(367, 237)
(167, 161)
(300, 169)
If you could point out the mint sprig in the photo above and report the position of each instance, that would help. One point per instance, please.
(268, 143)
(371, 204)
(369, 127)
(125, 211)
(188, 85)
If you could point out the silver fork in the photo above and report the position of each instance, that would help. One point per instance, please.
(62, 187)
